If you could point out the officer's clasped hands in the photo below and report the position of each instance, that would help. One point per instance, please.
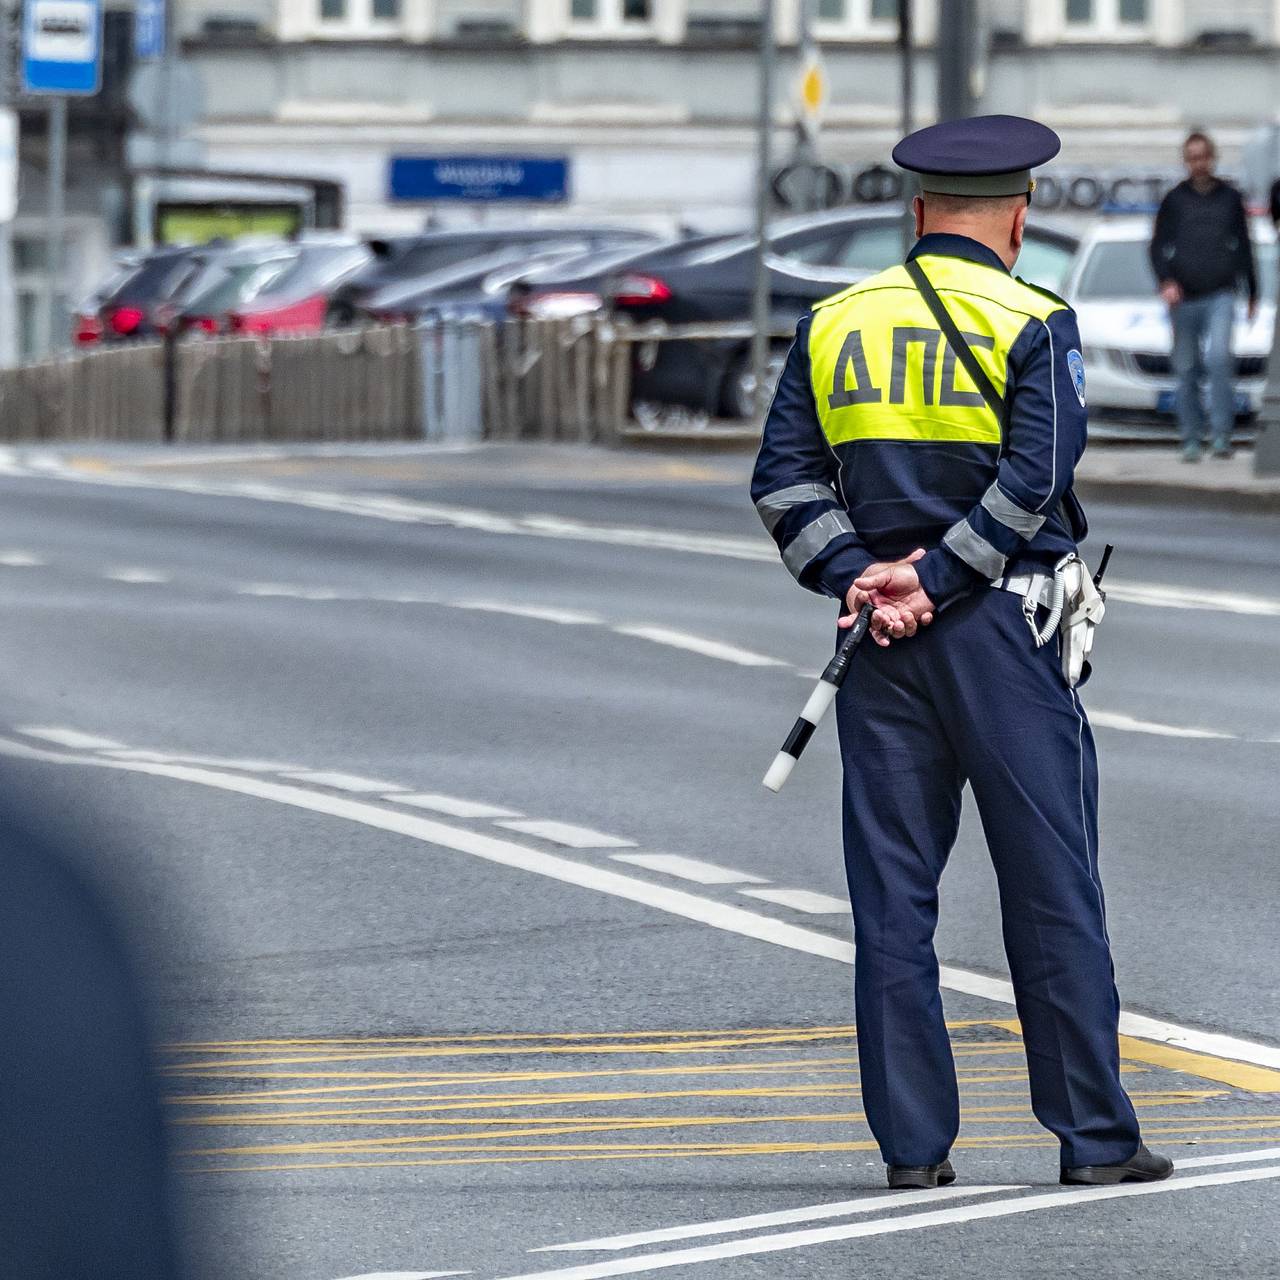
(901, 606)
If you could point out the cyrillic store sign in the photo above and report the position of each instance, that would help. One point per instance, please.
(540, 179)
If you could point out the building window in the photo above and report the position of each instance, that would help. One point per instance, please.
(1107, 19)
(358, 17)
(857, 19)
(610, 17)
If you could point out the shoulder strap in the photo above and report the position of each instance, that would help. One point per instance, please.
(955, 340)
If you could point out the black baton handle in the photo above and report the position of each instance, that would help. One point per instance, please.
(838, 667)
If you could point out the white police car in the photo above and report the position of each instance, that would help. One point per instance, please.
(1125, 329)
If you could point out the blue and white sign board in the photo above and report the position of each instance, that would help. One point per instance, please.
(148, 30)
(538, 179)
(62, 46)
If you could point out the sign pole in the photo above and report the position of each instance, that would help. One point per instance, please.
(761, 302)
(56, 177)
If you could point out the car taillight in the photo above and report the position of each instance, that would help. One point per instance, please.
(87, 329)
(125, 320)
(304, 316)
(640, 290)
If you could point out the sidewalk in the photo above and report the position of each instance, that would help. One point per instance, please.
(1146, 473)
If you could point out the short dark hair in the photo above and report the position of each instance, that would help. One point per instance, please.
(1198, 135)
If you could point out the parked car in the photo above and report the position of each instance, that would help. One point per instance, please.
(137, 303)
(273, 287)
(86, 317)
(1127, 335)
(399, 261)
(809, 258)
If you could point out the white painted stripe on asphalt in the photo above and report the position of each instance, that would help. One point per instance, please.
(676, 902)
(140, 576)
(453, 806)
(753, 1245)
(1162, 596)
(566, 617)
(68, 737)
(19, 560)
(1130, 724)
(406, 510)
(814, 904)
(754, 1221)
(567, 834)
(1231, 1157)
(699, 644)
(343, 781)
(213, 762)
(674, 864)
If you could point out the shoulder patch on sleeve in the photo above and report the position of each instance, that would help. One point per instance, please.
(1075, 367)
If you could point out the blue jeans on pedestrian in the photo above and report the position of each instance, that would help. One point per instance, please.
(1202, 352)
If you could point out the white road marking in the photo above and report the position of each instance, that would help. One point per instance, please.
(809, 1213)
(1231, 1157)
(699, 644)
(343, 781)
(19, 560)
(214, 762)
(567, 834)
(1130, 724)
(407, 1275)
(677, 902)
(1163, 596)
(453, 806)
(753, 1245)
(566, 617)
(141, 576)
(815, 904)
(68, 737)
(674, 864)
(406, 510)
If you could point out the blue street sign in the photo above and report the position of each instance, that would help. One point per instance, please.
(148, 30)
(523, 178)
(62, 46)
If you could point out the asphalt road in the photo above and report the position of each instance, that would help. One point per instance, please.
(321, 708)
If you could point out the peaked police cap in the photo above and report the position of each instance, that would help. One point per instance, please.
(981, 156)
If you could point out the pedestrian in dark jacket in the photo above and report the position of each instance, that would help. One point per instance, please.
(1203, 257)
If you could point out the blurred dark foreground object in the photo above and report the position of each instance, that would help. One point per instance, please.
(84, 1192)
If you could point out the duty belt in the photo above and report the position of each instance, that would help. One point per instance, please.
(1034, 585)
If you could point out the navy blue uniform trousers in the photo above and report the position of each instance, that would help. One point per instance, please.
(972, 698)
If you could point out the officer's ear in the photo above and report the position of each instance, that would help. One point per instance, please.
(1019, 227)
(917, 207)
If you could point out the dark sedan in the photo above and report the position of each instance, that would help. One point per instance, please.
(809, 258)
(138, 300)
(401, 262)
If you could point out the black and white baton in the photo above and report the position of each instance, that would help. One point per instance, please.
(823, 695)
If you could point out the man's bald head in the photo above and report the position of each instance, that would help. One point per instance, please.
(996, 221)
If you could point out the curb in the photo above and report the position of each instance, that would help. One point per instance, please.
(1260, 501)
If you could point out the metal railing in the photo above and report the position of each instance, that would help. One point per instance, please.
(566, 380)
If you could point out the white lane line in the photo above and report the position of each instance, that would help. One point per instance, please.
(344, 781)
(699, 644)
(567, 834)
(1163, 596)
(753, 1221)
(19, 560)
(566, 617)
(410, 511)
(139, 576)
(814, 904)
(674, 864)
(214, 762)
(454, 806)
(753, 1245)
(72, 738)
(677, 902)
(1231, 1157)
(1130, 724)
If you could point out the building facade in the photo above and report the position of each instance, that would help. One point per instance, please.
(653, 103)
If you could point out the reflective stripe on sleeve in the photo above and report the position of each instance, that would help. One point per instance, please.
(1025, 524)
(813, 539)
(773, 506)
(974, 550)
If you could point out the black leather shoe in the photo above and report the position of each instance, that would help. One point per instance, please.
(1142, 1166)
(919, 1177)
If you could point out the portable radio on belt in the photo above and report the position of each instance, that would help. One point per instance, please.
(823, 695)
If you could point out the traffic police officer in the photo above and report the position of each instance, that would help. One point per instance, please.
(886, 476)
